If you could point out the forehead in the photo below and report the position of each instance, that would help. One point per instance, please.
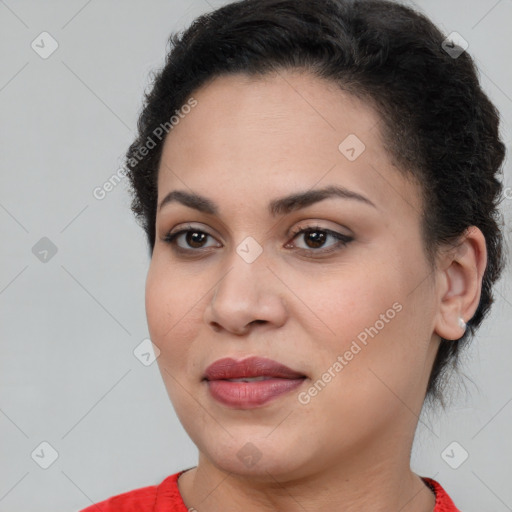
(280, 132)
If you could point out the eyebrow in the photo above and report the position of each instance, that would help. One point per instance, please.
(276, 207)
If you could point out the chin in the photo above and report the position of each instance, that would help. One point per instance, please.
(259, 456)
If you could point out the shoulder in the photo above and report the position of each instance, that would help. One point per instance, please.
(443, 501)
(153, 498)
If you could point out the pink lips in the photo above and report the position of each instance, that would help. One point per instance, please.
(279, 379)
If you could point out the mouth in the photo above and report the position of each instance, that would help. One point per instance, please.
(250, 382)
(250, 379)
(249, 368)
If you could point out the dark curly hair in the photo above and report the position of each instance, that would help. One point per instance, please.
(439, 127)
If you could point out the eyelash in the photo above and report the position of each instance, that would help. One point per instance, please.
(343, 240)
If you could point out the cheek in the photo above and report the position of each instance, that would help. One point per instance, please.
(362, 317)
(172, 309)
(159, 307)
(376, 352)
(343, 304)
(173, 322)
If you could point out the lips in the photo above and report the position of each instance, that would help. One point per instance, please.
(250, 383)
(229, 368)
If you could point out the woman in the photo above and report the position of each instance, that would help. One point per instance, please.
(318, 186)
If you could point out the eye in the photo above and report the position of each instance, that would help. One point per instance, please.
(194, 238)
(315, 237)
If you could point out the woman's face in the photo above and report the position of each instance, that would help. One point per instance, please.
(355, 316)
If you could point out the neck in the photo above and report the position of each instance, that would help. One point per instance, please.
(378, 486)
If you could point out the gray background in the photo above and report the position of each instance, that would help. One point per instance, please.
(69, 325)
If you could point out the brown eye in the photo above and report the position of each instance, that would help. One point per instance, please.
(315, 237)
(195, 238)
(191, 239)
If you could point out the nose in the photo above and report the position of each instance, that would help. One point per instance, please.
(247, 295)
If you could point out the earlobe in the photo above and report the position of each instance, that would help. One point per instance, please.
(460, 284)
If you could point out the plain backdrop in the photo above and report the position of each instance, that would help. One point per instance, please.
(73, 266)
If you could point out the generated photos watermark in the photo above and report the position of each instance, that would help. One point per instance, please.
(100, 192)
(304, 397)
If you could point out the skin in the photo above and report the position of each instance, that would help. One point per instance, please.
(250, 140)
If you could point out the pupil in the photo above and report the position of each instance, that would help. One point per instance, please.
(318, 240)
(194, 234)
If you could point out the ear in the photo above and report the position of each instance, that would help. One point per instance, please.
(459, 283)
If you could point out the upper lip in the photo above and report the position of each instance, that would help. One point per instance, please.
(229, 368)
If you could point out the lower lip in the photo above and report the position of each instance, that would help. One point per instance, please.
(246, 395)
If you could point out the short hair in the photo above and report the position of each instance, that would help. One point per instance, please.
(438, 126)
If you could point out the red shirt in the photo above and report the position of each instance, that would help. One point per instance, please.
(166, 497)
